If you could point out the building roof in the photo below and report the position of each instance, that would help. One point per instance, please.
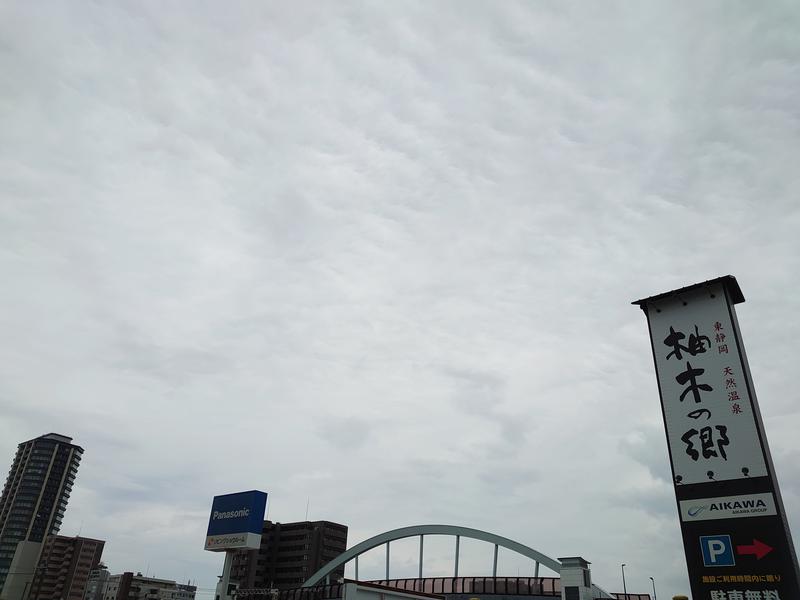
(56, 437)
(76, 538)
(141, 577)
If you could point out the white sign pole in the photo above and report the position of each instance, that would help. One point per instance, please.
(225, 579)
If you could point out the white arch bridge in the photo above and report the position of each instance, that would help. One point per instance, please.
(323, 575)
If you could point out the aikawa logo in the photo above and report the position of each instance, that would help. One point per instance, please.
(696, 510)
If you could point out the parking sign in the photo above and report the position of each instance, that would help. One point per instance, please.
(717, 551)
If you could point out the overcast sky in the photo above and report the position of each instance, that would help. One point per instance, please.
(380, 257)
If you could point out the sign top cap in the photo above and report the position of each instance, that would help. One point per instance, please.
(728, 281)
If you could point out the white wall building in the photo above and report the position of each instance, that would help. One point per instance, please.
(127, 586)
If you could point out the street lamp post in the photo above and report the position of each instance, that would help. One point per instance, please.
(624, 587)
(654, 587)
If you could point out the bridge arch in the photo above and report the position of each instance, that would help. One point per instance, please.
(423, 530)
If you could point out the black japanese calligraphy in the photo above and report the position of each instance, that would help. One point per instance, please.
(690, 376)
(695, 345)
(707, 442)
(696, 414)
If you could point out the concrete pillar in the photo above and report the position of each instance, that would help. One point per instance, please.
(576, 579)
(22, 570)
(223, 585)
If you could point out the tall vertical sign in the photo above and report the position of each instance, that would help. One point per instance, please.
(735, 534)
(235, 523)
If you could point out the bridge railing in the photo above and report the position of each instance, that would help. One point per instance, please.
(322, 592)
(507, 586)
(483, 586)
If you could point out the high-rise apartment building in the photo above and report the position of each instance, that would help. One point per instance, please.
(290, 553)
(64, 568)
(32, 506)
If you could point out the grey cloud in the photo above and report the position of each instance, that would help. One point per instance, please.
(170, 364)
(648, 448)
(482, 394)
(405, 235)
(345, 433)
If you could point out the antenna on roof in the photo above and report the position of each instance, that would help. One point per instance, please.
(308, 501)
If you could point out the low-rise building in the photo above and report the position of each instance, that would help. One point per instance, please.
(96, 583)
(127, 586)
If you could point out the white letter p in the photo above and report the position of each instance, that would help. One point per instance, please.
(715, 548)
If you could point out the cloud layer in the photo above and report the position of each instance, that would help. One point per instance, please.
(381, 258)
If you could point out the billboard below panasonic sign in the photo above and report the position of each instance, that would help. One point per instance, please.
(236, 521)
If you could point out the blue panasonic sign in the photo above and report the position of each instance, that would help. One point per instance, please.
(236, 521)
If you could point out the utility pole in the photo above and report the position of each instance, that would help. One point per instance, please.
(624, 587)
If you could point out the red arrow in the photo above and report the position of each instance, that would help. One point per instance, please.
(759, 548)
